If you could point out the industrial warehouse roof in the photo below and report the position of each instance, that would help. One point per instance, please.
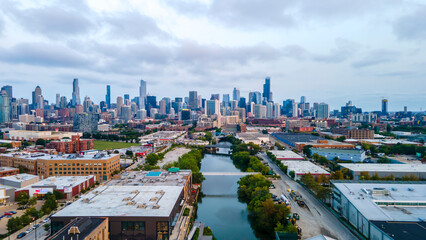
(402, 199)
(287, 155)
(338, 151)
(122, 201)
(22, 177)
(372, 167)
(304, 167)
(5, 169)
(60, 182)
(144, 178)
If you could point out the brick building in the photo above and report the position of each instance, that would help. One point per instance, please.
(75, 145)
(354, 133)
(8, 171)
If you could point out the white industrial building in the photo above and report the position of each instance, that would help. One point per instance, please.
(286, 155)
(382, 210)
(353, 155)
(385, 170)
(301, 168)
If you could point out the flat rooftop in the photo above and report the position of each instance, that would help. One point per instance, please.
(361, 195)
(122, 201)
(45, 156)
(377, 167)
(287, 154)
(22, 177)
(304, 167)
(297, 137)
(5, 169)
(338, 151)
(60, 182)
(163, 135)
(157, 178)
(252, 135)
(84, 225)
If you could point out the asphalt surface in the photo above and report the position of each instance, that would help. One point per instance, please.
(41, 234)
(315, 219)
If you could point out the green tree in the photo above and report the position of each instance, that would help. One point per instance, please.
(129, 153)
(292, 174)
(58, 194)
(41, 142)
(152, 159)
(22, 198)
(307, 150)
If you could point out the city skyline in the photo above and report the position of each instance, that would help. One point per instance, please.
(359, 53)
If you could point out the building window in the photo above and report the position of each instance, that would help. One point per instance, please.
(162, 230)
(133, 226)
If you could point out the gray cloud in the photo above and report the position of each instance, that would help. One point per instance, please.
(376, 57)
(343, 50)
(133, 25)
(411, 26)
(295, 51)
(1, 25)
(42, 54)
(54, 20)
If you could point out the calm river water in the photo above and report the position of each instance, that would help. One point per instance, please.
(220, 208)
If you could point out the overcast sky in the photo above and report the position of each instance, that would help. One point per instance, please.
(330, 50)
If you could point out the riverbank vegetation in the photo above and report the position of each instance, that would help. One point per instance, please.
(264, 214)
(192, 161)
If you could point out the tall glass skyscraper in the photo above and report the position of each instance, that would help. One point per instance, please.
(142, 95)
(267, 89)
(236, 94)
(108, 97)
(75, 93)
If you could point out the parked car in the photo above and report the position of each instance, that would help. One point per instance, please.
(296, 216)
(36, 226)
(21, 235)
(2, 216)
(13, 212)
(8, 213)
(28, 230)
(46, 220)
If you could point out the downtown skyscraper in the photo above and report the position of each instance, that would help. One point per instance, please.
(108, 97)
(75, 93)
(267, 94)
(142, 95)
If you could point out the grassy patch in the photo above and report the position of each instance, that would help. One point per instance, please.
(104, 145)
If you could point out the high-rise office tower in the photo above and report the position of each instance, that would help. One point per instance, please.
(236, 94)
(63, 103)
(267, 90)
(4, 107)
(108, 97)
(86, 122)
(126, 97)
(302, 99)
(35, 95)
(226, 100)
(75, 93)
(40, 102)
(142, 95)
(58, 100)
(119, 104)
(162, 104)
(269, 110)
(385, 107)
(322, 111)
(259, 111)
(8, 90)
(295, 110)
(277, 110)
(213, 107)
(193, 100)
(242, 102)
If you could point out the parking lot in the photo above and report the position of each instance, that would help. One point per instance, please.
(13, 207)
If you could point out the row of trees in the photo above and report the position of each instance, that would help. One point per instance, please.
(320, 191)
(265, 216)
(191, 161)
(277, 162)
(31, 214)
(367, 176)
(247, 163)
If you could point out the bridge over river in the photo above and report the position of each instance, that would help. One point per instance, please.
(229, 173)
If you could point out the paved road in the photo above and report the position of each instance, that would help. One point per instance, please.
(315, 218)
(41, 234)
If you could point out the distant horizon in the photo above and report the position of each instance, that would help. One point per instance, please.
(207, 97)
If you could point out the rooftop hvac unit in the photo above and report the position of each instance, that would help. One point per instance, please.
(142, 206)
(131, 203)
(86, 200)
(127, 199)
(156, 207)
(153, 199)
(135, 192)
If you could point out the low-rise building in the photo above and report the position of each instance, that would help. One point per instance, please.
(34, 135)
(382, 210)
(14, 144)
(19, 180)
(385, 170)
(7, 195)
(73, 145)
(133, 212)
(253, 137)
(300, 140)
(286, 155)
(70, 186)
(301, 168)
(354, 155)
(101, 165)
(354, 133)
(8, 171)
